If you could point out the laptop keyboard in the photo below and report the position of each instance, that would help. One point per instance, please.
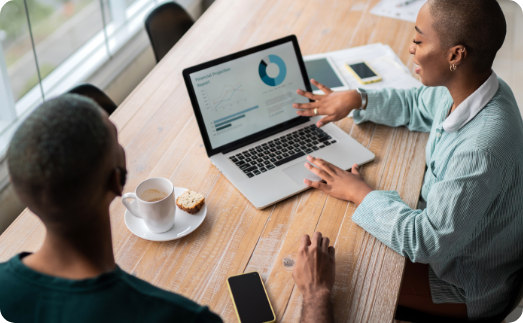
(280, 151)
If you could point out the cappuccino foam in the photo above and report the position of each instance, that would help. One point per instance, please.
(152, 195)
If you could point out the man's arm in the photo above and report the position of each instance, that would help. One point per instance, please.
(317, 309)
(314, 274)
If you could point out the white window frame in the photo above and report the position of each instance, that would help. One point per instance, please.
(126, 23)
(7, 101)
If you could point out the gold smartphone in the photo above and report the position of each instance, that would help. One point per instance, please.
(250, 298)
(363, 72)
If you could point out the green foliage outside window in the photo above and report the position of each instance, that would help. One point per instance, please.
(14, 21)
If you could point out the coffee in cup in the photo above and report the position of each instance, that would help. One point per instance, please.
(153, 195)
(154, 204)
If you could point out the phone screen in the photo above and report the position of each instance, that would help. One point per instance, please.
(249, 296)
(362, 70)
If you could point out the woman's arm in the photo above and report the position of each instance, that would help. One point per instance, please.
(414, 108)
(455, 207)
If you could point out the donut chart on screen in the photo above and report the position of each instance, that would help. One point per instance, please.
(272, 81)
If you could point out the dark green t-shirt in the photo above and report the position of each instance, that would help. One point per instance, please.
(29, 296)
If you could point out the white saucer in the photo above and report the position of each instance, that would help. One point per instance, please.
(184, 223)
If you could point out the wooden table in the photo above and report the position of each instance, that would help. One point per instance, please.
(161, 138)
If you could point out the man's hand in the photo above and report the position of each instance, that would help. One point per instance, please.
(314, 274)
(339, 183)
(334, 105)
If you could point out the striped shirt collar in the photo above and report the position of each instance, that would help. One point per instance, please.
(472, 105)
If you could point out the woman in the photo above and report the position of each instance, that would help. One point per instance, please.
(469, 233)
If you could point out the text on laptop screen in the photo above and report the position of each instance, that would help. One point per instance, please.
(249, 94)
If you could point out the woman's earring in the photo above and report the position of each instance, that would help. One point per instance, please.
(452, 68)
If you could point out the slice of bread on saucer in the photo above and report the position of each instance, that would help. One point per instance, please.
(190, 201)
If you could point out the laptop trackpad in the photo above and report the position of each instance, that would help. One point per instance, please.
(298, 173)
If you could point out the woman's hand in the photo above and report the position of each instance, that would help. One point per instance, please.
(334, 105)
(339, 183)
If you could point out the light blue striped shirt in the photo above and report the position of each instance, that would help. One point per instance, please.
(471, 232)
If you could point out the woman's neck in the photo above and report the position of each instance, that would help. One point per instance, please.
(464, 84)
(84, 251)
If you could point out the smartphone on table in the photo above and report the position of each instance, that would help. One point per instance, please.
(250, 298)
(363, 72)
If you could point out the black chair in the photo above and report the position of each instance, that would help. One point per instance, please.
(96, 94)
(165, 25)
(413, 316)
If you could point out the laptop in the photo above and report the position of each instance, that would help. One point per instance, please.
(252, 134)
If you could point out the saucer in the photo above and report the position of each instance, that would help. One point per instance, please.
(184, 223)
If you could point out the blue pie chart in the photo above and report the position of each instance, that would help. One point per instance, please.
(262, 69)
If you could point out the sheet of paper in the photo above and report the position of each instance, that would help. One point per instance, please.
(389, 8)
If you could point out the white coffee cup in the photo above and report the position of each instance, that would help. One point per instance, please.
(157, 215)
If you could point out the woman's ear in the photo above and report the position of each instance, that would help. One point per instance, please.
(457, 55)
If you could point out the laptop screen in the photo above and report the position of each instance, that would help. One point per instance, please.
(249, 94)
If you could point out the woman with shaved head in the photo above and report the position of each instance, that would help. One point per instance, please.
(464, 248)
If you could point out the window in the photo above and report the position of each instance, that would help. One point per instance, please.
(48, 46)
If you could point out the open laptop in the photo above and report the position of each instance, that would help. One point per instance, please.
(252, 134)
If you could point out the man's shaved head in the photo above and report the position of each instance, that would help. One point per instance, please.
(55, 156)
(479, 25)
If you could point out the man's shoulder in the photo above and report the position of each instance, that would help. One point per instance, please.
(6, 272)
(116, 294)
(147, 290)
(165, 300)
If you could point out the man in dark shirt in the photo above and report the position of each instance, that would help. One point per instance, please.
(66, 164)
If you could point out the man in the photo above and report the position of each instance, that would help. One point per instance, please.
(66, 164)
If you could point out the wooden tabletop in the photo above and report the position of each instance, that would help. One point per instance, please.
(161, 138)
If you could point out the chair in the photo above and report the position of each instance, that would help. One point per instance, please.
(92, 92)
(165, 25)
(413, 316)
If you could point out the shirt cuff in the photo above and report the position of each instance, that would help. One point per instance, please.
(373, 102)
(370, 213)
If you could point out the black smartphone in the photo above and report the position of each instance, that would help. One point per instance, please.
(250, 298)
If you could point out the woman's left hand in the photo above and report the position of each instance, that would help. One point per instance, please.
(339, 183)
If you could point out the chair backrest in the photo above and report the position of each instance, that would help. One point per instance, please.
(165, 25)
(513, 305)
(410, 315)
(92, 92)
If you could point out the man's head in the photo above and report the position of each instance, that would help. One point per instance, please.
(65, 159)
(464, 33)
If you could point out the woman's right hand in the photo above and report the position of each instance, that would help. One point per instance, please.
(334, 105)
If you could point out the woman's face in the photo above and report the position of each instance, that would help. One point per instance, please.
(431, 60)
